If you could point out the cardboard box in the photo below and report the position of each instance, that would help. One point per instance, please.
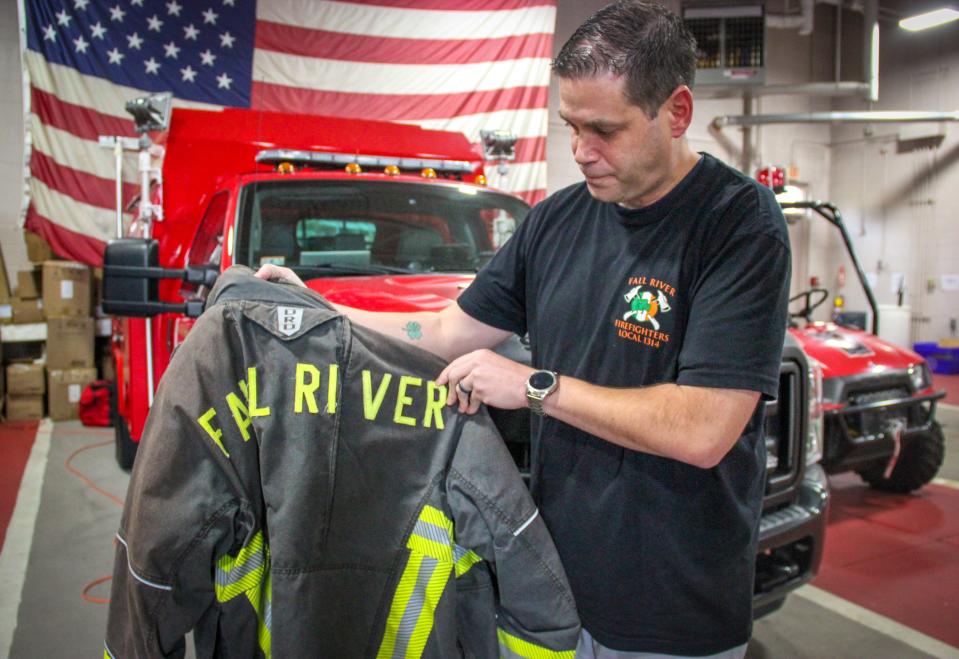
(24, 408)
(108, 368)
(38, 249)
(27, 311)
(28, 284)
(66, 289)
(25, 380)
(70, 343)
(64, 388)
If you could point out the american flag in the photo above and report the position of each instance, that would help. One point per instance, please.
(463, 65)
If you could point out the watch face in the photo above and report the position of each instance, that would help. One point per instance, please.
(542, 380)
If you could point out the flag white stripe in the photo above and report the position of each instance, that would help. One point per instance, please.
(81, 154)
(523, 123)
(393, 22)
(522, 176)
(74, 215)
(376, 78)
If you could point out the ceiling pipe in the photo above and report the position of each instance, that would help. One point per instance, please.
(834, 117)
(870, 53)
(828, 89)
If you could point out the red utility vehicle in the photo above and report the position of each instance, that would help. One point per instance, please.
(878, 399)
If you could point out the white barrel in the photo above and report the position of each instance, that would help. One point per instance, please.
(894, 325)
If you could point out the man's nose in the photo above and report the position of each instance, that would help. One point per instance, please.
(583, 152)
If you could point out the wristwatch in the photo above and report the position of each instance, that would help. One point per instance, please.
(540, 385)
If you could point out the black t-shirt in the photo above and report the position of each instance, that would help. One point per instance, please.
(691, 289)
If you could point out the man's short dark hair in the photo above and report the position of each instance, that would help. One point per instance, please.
(643, 41)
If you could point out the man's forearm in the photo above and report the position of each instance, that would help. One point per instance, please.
(695, 425)
(418, 328)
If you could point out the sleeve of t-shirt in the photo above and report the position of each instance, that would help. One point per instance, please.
(497, 296)
(737, 320)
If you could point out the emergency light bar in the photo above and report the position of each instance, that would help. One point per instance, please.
(342, 159)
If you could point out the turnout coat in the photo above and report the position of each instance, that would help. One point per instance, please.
(301, 490)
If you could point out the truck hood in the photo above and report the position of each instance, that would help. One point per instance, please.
(429, 292)
(844, 352)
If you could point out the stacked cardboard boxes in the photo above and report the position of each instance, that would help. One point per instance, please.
(67, 293)
(25, 388)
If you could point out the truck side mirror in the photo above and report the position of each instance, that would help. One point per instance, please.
(124, 295)
(130, 274)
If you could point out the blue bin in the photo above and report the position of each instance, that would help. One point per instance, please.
(942, 360)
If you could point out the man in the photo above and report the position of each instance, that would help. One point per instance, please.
(654, 295)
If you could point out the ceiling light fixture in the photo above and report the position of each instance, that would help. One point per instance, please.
(929, 19)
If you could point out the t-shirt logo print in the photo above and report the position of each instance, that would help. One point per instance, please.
(644, 305)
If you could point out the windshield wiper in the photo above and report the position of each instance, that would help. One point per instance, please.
(349, 269)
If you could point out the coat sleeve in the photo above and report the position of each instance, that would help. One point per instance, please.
(184, 507)
(496, 521)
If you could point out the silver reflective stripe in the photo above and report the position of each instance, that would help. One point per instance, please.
(136, 576)
(506, 653)
(526, 523)
(459, 552)
(106, 648)
(432, 532)
(253, 563)
(268, 610)
(414, 607)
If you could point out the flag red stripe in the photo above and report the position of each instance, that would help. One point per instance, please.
(306, 42)
(76, 119)
(394, 107)
(530, 149)
(82, 186)
(459, 5)
(66, 243)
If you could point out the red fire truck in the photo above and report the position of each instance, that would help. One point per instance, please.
(373, 214)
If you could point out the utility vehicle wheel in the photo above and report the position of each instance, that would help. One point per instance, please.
(918, 464)
(126, 448)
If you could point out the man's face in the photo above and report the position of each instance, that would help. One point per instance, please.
(623, 154)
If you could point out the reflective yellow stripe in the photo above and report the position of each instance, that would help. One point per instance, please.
(248, 573)
(417, 596)
(512, 646)
(466, 561)
(404, 591)
(238, 575)
(424, 625)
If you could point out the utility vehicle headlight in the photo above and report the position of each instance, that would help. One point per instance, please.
(814, 436)
(919, 376)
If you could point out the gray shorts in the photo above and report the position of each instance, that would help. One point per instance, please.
(589, 648)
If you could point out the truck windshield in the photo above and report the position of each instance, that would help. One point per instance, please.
(336, 227)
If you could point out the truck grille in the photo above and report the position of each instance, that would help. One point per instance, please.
(865, 397)
(783, 428)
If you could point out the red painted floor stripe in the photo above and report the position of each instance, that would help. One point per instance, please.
(16, 440)
(895, 554)
(951, 384)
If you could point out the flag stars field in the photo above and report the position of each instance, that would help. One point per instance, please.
(485, 65)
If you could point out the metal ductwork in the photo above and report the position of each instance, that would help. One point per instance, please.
(834, 117)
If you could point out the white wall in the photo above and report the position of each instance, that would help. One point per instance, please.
(900, 201)
(11, 142)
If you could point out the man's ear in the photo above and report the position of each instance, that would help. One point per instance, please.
(679, 110)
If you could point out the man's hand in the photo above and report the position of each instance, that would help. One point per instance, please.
(482, 376)
(272, 272)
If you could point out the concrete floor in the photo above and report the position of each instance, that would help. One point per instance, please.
(72, 547)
